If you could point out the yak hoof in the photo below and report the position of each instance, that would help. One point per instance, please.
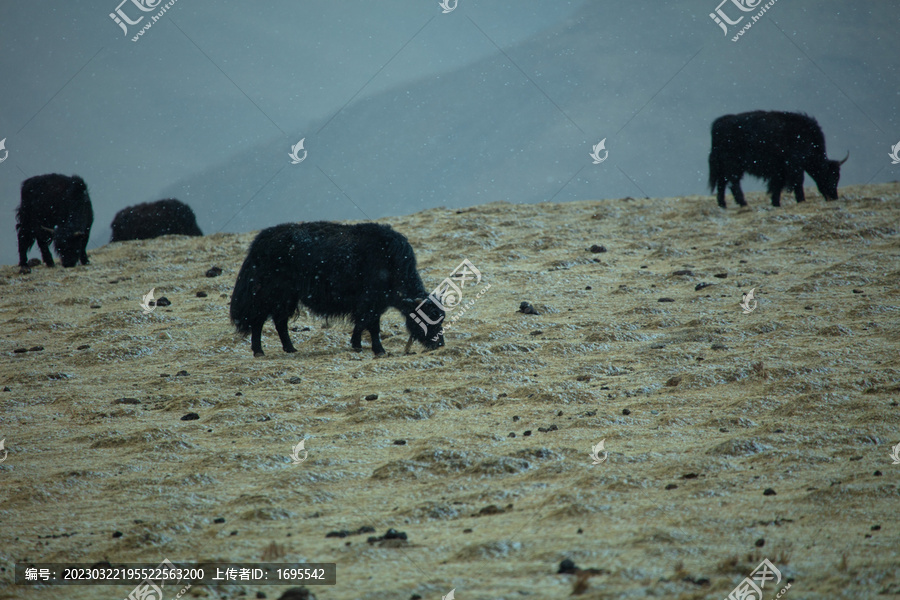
(291, 349)
(381, 354)
(257, 354)
(357, 348)
(24, 270)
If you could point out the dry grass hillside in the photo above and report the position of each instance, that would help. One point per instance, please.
(704, 411)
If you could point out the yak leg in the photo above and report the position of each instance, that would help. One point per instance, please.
(256, 338)
(84, 257)
(374, 327)
(44, 245)
(738, 192)
(281, 326)
(720, 192)
(775, 187)
(356, 337)
(798, 188)
(26, 240)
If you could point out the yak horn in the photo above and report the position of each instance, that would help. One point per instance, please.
(51, 230)
(845, 158)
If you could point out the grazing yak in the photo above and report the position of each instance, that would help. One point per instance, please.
(55, 208)
(775, 146)
(334, 270)
(153, 219)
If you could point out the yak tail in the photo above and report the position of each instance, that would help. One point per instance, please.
(713, 171)
(244, 306)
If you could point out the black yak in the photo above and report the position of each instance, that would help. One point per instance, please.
(334, 270)
(55, 208)
(775, 146)
(153, 219)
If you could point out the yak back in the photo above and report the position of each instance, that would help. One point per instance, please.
(54, 200)
(333, 269)
(763, 142)
(153, 219)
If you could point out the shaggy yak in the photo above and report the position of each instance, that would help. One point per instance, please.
(775, 146)
(334, 270)
(153, 219)
(55, 208)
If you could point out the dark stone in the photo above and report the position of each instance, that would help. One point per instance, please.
(182, 373)
(595, 249)
(702, 285)
(294, 380)
(163, 301)
(83, 347)
(191, 416)
(201, 294)
(126, 401)
(399, 442)
(371, 397)
(219, 520)
(760, 543)
(721, 275)
(528, 309)
(626, 412)
(671, 486)
(297, 593)
(666, 300)
(567, 567)
(526, 433)
(769, 492)
(117, 534)
(214, 272)
(686, 272)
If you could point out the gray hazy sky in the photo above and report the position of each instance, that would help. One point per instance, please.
(403, 107)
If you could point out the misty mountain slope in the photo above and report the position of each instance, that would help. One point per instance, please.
(518, 126)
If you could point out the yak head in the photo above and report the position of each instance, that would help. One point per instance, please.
(424, 321)
(68, 242)
(829, 175)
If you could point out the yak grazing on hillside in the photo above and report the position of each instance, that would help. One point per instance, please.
(775, 146)
(55, 208)
(334, 270)
(153, 219)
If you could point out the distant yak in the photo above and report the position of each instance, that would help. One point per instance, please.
(334, 270)
(153, 219)
(55, 208)
(775, 146)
